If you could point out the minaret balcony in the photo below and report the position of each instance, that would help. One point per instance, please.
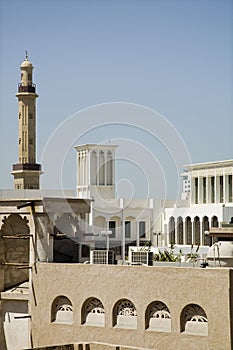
(27, 166)
(27, 88)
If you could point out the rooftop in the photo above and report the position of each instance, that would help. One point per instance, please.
(210, 165)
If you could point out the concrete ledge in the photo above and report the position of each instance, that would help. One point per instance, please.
(89, 346)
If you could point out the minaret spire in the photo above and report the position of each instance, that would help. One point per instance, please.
(26, 172)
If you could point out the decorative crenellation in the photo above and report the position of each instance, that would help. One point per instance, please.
(194, 313)
(94, 306)
(126, 308)
(198, 318)
(157, 316)
(63, 304)
(15, 224)
(159, 310)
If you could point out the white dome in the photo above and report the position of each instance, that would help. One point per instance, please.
(225, 250)
(221, 254)
(26, 63)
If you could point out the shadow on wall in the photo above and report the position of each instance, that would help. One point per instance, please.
(14, 249)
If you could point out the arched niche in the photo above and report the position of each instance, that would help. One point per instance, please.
(180, 228)
(100, 223)
(214, 221)
(171, 230)
(193, 320)
(197, 233)
(16, 226)
(158, 317)
(188, 230)
(93, 313)
(62, 310)
(124, 314)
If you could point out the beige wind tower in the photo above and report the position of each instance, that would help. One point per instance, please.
(26, 172)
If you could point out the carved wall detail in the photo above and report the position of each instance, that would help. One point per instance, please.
(126, 308)
(125, 314)
(94, 306)
(93, 312)
(63, 304)
(159, 310)
(14, 224)
(14, 248)
(194, 320)
(158, 317)
(194, 313)
(62, 310)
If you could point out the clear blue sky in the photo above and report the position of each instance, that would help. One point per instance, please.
(175, 57)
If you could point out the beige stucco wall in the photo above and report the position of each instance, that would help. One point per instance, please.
(16, 327)
(176, 287)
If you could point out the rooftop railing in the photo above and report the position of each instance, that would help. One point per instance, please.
(27, 88)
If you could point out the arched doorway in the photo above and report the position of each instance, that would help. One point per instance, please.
(188, 230)
(171, 228)
(197, 238)
(180, 230)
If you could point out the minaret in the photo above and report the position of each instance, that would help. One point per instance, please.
(27, 172)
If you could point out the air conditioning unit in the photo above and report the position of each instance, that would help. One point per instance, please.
(102, 257)
(141, 258)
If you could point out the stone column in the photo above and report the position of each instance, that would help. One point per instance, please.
(44, 240)
(231, 199)
(200, 190)
(98, 169)
(217, 189)
(88, 160)
(123, 237)
(176, 230)
(91, 215)
(208, 186)
(224, 188)
(81, 170)
(137, 233)
(105, 168)
(85, 173)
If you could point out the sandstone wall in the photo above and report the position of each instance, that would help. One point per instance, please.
(176, 287)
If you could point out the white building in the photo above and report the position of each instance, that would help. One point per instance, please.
(129, 220)
(206, 201)
(207, 188)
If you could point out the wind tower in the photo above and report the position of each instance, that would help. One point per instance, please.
(26, 172)
(96, 171)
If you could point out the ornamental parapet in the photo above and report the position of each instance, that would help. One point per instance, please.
(27, 88)
(27, 166)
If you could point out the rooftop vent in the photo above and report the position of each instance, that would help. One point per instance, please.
(141, 258)
(102, 257)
